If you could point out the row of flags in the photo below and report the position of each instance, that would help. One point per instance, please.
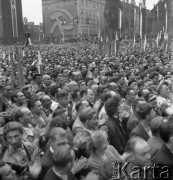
(13, 57)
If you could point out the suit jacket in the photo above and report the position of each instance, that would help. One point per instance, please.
(41, 121)
(117, 135)
(140, 132)
(44, 89)
(132, 122)
(47, 163)
(164, 158)
(155, 144)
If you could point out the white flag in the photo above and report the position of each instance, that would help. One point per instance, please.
(39, 62)
(116, 39)
(141, 18)
(3, 55)
(145, 42)
(166, 20)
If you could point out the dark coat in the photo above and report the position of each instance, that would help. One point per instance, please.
(47, 163)
(140, 132)
(50, 175)
(117, 134)
(164, 160)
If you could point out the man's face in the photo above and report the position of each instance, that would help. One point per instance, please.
(165, 91)
(90, 96)
(77, 76)
(39, 79)
(47, 101)
(59, 141)
(2, 81)
(47, 81)
(66, 87)
(90, 83)
(82, 85)
(8, 91)
(142, 155)
(27, 91)
(38, 107)
(14, 138)
(7, 173)
(64, 101)
(96, 71)
(103, 80)
(27, 118)
(132, 95)
(73, 86)
(113, 87)
(65, 73)
(93, 122)
(20, 97)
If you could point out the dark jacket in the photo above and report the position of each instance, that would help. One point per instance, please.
(164, 160)
(117, 134)
(47, 163)
(140, 132)
(50, 175)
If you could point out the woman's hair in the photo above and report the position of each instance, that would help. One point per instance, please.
(98, 138)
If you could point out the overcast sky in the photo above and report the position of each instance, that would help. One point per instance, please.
(32, 9)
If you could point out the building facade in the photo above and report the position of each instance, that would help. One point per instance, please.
(72, 18)
(157, 18)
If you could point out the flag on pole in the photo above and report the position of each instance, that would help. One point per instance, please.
(9, 57)
(120, 21)
(23, 53)
(157, 12)
(20, 70)
(98, 16)
(134, 20)
(3, 55)
(107, 39)
(166, 20)
(11, 61)
(134, 41)
(145, 42)
(39, 63)
(99, 33)
(14, 18)
(157, 40)
(100, 40)
(141, 20)
(116, 39)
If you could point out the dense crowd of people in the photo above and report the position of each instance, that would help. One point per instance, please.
(85, 116)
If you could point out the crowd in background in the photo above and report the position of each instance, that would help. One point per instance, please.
(85, 114)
